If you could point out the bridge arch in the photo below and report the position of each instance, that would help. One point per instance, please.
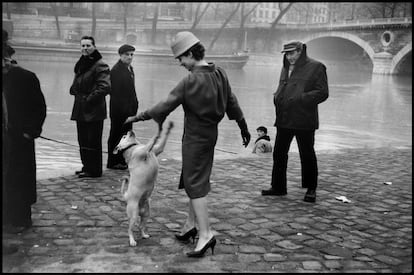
(363, 44)
(399, 57)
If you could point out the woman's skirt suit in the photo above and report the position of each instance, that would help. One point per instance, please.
(206, 97)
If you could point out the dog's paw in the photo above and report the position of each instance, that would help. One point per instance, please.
(145, 235)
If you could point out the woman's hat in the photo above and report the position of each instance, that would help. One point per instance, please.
(182, 42)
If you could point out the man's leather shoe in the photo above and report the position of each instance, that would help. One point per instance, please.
(87, 175)
(272, 192)
(310, 195)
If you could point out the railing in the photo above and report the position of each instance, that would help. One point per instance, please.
(339, 24)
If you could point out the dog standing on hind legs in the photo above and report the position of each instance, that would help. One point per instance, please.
(143, 170)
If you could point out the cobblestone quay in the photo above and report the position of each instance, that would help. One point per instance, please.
(80, 225)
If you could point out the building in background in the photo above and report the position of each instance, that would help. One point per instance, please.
(265, 13)
(167, 11)
(299, 13)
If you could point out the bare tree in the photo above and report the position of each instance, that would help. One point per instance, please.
(125, 6)
(144, 13)
(243, 19)
(216, 7)
(56, 14)
(93, 31)
(8, 11)
(283, 11)
(382, 9)
(392, 8)
(353, 6)
(154, 23)
(198, 16)
(218, 33)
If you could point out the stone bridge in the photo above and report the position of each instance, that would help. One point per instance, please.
(387, 42)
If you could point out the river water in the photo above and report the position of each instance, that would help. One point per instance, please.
(362, 111)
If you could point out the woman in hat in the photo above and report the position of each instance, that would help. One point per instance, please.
(206, 97)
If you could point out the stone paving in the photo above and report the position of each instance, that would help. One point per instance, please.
(80, 225)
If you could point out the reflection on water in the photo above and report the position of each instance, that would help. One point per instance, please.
(362, 111)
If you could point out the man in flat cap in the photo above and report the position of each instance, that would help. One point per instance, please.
(123, 103)
(303, 85)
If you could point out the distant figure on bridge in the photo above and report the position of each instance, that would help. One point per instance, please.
(262, 143)
(123, 103)
(303, 85)
(90, 86)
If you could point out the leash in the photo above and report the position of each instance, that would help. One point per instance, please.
(86, 148)
(57, 141)
(177, 142)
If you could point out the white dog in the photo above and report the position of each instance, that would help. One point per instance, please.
(143, 170)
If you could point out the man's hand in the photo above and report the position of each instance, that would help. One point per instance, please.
(246, 137)
(27, 136)
(244, 131)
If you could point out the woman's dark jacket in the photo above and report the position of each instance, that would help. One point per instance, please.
(90, 86)
(206, 97)
(26, 113)
(123, 101)
(297, 97)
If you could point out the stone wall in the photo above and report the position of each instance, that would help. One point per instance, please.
(112, 32)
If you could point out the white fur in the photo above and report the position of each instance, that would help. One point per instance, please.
(143, 170)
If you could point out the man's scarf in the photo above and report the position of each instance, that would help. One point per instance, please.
(266, 137)
(86, 62)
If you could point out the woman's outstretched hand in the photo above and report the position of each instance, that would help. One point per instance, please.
(131, 119)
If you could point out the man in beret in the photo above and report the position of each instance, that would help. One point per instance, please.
(303, 85)
(123, 103)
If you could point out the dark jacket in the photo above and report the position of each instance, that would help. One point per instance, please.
(297, 97)
(206, 98)
(123, 101)
(90, 88)
(26, 113)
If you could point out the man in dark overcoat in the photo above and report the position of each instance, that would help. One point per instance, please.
(303, 85)
(123, 103)
(90, 86)
(26, 113)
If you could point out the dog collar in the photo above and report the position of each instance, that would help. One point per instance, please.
(129, 146)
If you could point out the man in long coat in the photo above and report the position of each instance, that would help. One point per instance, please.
(90, 86)
(26, 113)
(303, 85)
(123, 103)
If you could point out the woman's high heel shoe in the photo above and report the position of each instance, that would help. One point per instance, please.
(200, 253)
(190, 234)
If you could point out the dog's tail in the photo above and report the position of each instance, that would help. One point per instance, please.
(124, 180)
